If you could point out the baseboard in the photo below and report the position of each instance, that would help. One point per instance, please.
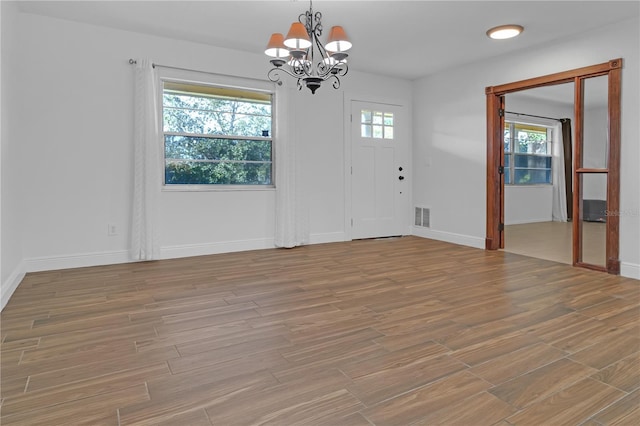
(122, 256)
(76, 261)
(449, 237)
(171, 252)
(630, 270)
(190, 250)
(329, 237)
(11, 284)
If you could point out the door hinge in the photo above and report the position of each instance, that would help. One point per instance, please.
(501, 112)
(351, 222)
(351, 117)
(501, 227)
(351, 169)
(501, 170)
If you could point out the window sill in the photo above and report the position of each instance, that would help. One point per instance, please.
(212, 188)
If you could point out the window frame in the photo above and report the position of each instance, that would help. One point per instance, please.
(181, 76)
(512, 167)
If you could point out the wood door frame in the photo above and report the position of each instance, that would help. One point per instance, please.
(495, 156)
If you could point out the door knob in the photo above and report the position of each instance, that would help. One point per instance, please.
(401, 177)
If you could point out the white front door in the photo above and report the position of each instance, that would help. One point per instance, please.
(379, 170)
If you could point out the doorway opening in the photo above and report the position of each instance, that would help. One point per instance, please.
(538, 172)
(592, 174)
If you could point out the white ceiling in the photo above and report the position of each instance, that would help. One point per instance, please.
(407, 39)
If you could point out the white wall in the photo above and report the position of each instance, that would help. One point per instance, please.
(527, 204)
(75, 112)
(450, 132)
(11, 254)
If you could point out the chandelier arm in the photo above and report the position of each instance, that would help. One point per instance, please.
(336, 82)
(325, 72)
(275, 77)
(341, 69)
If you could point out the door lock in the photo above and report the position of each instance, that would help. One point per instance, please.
(400, 177)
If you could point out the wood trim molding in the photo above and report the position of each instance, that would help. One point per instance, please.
(556, 78)
(577, 181)
(495, 180)
(613, 175)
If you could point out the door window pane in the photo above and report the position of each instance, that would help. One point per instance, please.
(376, 124)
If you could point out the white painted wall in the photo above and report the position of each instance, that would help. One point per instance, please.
(527, 204)
(11, 223)
(75, 112)
(450, 132)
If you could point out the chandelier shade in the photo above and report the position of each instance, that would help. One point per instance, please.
(297, 37)
(338, 41)
(302, 55)
(276, 47)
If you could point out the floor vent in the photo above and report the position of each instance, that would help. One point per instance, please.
(422, 217)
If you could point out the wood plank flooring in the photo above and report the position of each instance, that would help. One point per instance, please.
(400, 331)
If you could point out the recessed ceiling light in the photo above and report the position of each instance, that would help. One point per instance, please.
(504, 31)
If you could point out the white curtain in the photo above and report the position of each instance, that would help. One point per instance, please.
(559, 201)
(292, 227)
(145, 243)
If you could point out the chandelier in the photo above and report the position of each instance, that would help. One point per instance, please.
(301, 54)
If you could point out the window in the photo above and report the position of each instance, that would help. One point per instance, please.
(376, 124)
(527, 154)
(216, 135)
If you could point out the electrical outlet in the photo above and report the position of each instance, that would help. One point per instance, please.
(112, 230)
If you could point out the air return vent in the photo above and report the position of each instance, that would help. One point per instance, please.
(422, 217)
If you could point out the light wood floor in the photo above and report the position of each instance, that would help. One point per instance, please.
(553, 241)
(402, 331)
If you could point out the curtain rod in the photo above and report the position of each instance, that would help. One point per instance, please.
(562, 120)
(154, 65)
